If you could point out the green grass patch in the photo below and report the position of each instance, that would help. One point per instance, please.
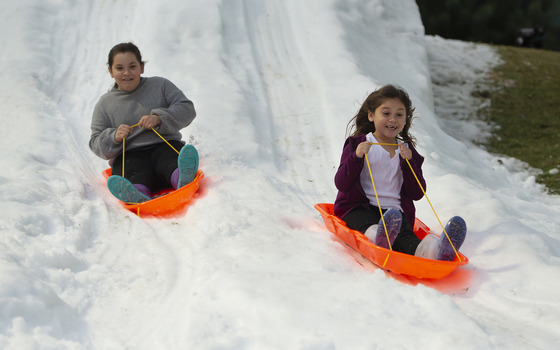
(526, 107)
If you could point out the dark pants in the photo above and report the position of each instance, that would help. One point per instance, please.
(360, 219)
(150, 166)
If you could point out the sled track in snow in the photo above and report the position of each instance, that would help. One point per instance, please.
(282, 88)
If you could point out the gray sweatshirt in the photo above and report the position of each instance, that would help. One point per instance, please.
(153, 95)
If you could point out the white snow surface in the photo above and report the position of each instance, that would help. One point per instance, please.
(250, 264)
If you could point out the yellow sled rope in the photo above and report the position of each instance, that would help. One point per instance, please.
(123, 151)
(423, 191)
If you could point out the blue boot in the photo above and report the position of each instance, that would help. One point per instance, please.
(393, 221)
(187, 163)
(456, 229)
(125, 191)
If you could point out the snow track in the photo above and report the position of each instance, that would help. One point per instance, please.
(281, 83)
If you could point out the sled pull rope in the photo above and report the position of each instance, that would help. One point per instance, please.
(380, 210)
(428, 199)
(123, 151)
(157, 133)
(423, 191)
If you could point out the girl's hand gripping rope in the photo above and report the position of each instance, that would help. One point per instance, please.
(122, 132)
(405, 152)
(363, 148)
(149, 121)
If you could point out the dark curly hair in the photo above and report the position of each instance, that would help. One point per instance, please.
(360, 122)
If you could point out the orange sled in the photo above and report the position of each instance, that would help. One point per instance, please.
(388, 260)
(168, 202)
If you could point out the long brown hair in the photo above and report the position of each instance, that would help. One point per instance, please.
(360, 122)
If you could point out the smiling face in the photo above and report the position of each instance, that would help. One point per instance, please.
(126, 70)
(389, 120)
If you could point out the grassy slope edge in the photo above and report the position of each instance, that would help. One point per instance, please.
(526, 109)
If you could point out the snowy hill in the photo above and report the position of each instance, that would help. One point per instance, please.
(250, 265)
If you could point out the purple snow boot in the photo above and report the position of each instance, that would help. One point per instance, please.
(456, 229)
(393, 221)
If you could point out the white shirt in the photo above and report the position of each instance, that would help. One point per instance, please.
(387, 176)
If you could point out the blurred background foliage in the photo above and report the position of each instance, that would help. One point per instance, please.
(494, 21)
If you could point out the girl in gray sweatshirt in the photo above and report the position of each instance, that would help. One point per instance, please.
(126, 115)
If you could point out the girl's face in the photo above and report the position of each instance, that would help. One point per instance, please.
(389, 120)
(126, 71)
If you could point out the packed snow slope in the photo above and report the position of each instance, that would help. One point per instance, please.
(250, 264)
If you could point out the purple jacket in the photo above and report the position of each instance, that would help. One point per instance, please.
(350, 192)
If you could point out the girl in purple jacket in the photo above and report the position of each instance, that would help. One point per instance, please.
(381, 132)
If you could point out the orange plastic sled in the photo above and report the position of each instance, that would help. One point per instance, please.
(392, 261)
(168, 202)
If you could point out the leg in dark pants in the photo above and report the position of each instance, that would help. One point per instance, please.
(137, 168)
(151, 167)
(360, 219)
(164, 162)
